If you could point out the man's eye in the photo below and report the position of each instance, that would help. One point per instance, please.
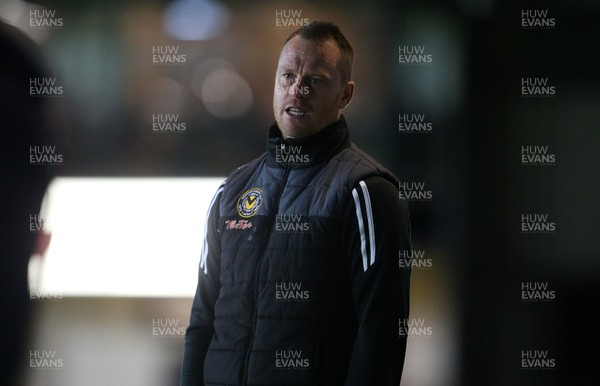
(287, 79)
(315, 81)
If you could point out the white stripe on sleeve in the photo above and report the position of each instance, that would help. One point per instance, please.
(361, 228)
(370, 220)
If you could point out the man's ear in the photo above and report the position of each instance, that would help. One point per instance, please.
(347, 95)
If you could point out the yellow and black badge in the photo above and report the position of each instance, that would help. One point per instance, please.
(249, 202)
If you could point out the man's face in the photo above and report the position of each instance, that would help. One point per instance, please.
(309, 93)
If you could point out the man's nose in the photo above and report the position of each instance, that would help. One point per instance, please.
(300, 88)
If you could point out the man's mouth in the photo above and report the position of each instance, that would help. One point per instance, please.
(295, 111)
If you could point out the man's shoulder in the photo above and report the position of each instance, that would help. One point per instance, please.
(242, 172)
(362, 165)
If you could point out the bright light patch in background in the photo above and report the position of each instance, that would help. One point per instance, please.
(223, 91)
(226, 94)
(17, 13)
(196, 19)
(137, 237)
(165, 94)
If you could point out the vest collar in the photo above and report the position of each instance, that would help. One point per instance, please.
(303, 152)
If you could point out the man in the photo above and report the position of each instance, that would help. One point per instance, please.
(299, 281)
(24, 124)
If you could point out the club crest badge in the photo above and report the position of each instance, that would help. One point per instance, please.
(249, 202)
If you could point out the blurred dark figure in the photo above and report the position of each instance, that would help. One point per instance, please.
(22, 125)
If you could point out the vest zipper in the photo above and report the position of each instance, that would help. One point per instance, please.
(284, 178)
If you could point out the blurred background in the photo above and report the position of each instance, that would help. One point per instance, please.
(138, 109)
